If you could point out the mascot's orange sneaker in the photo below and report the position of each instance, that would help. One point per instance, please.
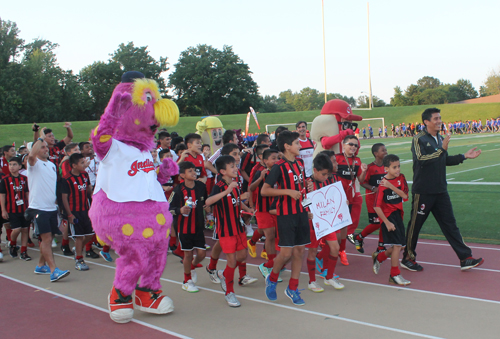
(121, 309)
(150, 301)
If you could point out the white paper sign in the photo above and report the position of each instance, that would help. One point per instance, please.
(330, 209)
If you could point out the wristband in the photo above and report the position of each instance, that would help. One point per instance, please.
(40, 139)
(463, 155)
(71, 215)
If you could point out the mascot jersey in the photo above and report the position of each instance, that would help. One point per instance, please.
(123, 169)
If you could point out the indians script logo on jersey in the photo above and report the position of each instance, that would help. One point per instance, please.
(145, 166)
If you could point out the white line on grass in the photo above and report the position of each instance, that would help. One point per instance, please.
(473, 169)
(325, 315)
(488, 183)
(451, 179)
(477, 180)
(93, 306)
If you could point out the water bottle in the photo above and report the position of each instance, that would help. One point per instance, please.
(189, 203)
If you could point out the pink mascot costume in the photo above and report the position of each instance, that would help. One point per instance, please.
(129, 210)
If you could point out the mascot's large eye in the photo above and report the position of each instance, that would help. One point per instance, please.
(214, 134)
(149, 97)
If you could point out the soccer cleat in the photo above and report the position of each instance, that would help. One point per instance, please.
(106, 256)
(198, 265)
(13, 251)
(24, 256)
(222, 279)
(213, 275)
(54, 243)
(264, 270)
(91, 254)
(42, 270)
(190, 287)
(252, 250)
(58, 275)
(470, 263)
(377, 251)
(343, 258)
(325, 273)
(314, 286)
(319, 265)
(207, 247)
(121, 309)
(194, 276)
(66, 251)
(151, 301)
(350, 238)
(411, 265)
(246, 280)
(263, 254)
(358, 242)
(271, 289)
(399, 280)
(96, 244)
(231, 300)
(335, 283)
(294, 296)
(30, 243)
(178, 252)
(80, 265)
(376, 265)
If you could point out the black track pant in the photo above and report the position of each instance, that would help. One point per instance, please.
(440, 206)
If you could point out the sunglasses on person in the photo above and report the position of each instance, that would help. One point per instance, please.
(352, 144)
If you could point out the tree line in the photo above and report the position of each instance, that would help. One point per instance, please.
(206, 80)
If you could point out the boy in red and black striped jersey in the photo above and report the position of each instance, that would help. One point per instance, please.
(193, 154)
(350, 168)
(75, 191)
(292, 217)
(322, 169)
(374, 175)
(55, 148)
(225, 199)
(14, 195)
(189, 221)
(392, 192)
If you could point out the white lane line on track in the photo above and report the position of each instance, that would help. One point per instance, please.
(446, 244)
(93, 306)
(291, 308)
(473, 169)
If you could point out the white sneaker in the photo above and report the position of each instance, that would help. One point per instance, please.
(335, 283)
(194, 276)
(54, 244)
(190, 287)
(213, 275)
(249, 231)
(231, 300)
(314, 286)
(399, 280)
(246, 280)
(1, 256)
(222, 279)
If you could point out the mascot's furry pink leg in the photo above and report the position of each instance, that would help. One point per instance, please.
(129, 211)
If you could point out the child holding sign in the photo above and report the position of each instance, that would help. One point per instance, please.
(393, 190)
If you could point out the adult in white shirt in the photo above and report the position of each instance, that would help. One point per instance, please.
(307, 147)
(42, 178)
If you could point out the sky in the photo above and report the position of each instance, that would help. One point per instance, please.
(281, 40)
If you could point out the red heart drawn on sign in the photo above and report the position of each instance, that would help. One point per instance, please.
(326, 206)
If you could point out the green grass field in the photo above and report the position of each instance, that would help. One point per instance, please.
(474, 186)
(396, 115)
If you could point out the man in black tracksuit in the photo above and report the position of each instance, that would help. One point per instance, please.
(429, 191)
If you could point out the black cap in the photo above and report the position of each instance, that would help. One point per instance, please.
(131, 75)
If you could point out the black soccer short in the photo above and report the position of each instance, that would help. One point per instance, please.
(373, 219)
(46, 222)
(83, 227)
(396, 237)
(17, 220)
(190, 241)
(293, 230)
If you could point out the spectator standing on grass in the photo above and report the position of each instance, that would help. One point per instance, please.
(430, 194)
(42, 179)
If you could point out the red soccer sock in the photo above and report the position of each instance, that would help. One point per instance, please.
(65, 242)
(105, 249)
(324, 253)
(24, 249)
(242, 268)
(270, 261)
(381, 257)
(274, 276)
(293, 284)
(342, 245)
(369, 230)
(78, 257)
(213, 264)
(395, 271)
(192, 267)
(187, 277)
(9, 232)
(179, 252)
(88, 246)
(172, 241)
(311, 269)
(13, 243)
(255, 237)
(229, 276)
(331, 264)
